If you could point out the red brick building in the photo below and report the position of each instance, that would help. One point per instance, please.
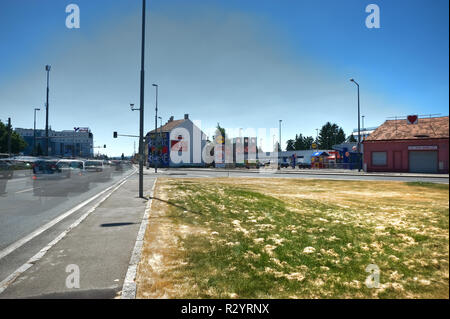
(397, 146)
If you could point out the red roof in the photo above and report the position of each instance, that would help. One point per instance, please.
(169, 126)
(434, 127)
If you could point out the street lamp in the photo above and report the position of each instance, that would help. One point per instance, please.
(47, 68)
(141, 109)
(280, 135)
(156, 123)
(279, 141)
(359, 129)
(363, 127)
(34, 131)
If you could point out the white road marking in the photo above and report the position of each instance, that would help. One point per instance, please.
(25, 190)
(129, 285)
(53, 222)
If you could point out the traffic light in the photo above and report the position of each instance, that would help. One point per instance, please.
(104, 146)
(115, 134)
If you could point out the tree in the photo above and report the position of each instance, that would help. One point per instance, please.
(220, 131)
(290, 145)
(18, 144)
(330, 134)
(352, 139)
(300, 143)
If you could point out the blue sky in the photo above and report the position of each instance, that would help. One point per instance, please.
(243, 63)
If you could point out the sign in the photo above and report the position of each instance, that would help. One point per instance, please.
(422, 148)
(314, 145)
(83, 129)
(412, 119)
(220, 139)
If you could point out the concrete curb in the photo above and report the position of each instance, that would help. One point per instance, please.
(129, 285)
(312, 172)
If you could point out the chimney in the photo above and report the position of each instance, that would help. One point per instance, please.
(171, 119)
(186, 116)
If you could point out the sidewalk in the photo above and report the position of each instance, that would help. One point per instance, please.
(315, 172)
(101, 246)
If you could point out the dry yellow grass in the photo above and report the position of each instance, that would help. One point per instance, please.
(234, 237)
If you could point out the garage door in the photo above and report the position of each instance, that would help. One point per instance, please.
(423, 161)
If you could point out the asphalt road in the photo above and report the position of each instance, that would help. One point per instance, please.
(27, 207)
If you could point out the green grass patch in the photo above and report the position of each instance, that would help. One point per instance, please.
(263, 243)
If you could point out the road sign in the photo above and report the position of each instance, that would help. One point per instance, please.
(314, 145)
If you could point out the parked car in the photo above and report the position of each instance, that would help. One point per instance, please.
(303, 165)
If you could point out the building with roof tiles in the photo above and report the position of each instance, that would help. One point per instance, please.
(175, 144)
(416, 145)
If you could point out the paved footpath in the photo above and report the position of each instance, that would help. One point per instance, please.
(100, 247)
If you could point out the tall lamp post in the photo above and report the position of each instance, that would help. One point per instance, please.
(359, 129)
(279, 141)
(141, 109)
(280, 134)
(34, 131)
(156, 122)
(47, 68)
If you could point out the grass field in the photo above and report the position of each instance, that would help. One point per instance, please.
(295, 238)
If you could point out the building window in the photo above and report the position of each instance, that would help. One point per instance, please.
(379, 158)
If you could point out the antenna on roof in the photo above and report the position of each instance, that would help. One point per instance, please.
(429, 116)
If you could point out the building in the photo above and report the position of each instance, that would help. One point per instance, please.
(363, 132)
(65, 143)
(416, 145)
(175, 144)
(285, 157)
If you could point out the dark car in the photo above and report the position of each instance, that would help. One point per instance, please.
(6, 169)
(49, 179)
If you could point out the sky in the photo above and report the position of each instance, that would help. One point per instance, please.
(241, 63)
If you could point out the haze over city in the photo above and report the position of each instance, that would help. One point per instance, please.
(244, 64)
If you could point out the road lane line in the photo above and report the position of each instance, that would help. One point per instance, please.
(24, 191)
(53, 222)
(12, 277)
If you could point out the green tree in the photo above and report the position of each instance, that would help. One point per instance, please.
(220, 131)
(352, 139)
(300, 143)
(330, 134)
(18, 144)
(290, 145)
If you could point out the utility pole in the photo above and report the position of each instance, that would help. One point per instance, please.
(47, 68)
(141, 109)
(359, 129)
(280, 135)
(34, 131)
(9, 136)
(156, 124)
